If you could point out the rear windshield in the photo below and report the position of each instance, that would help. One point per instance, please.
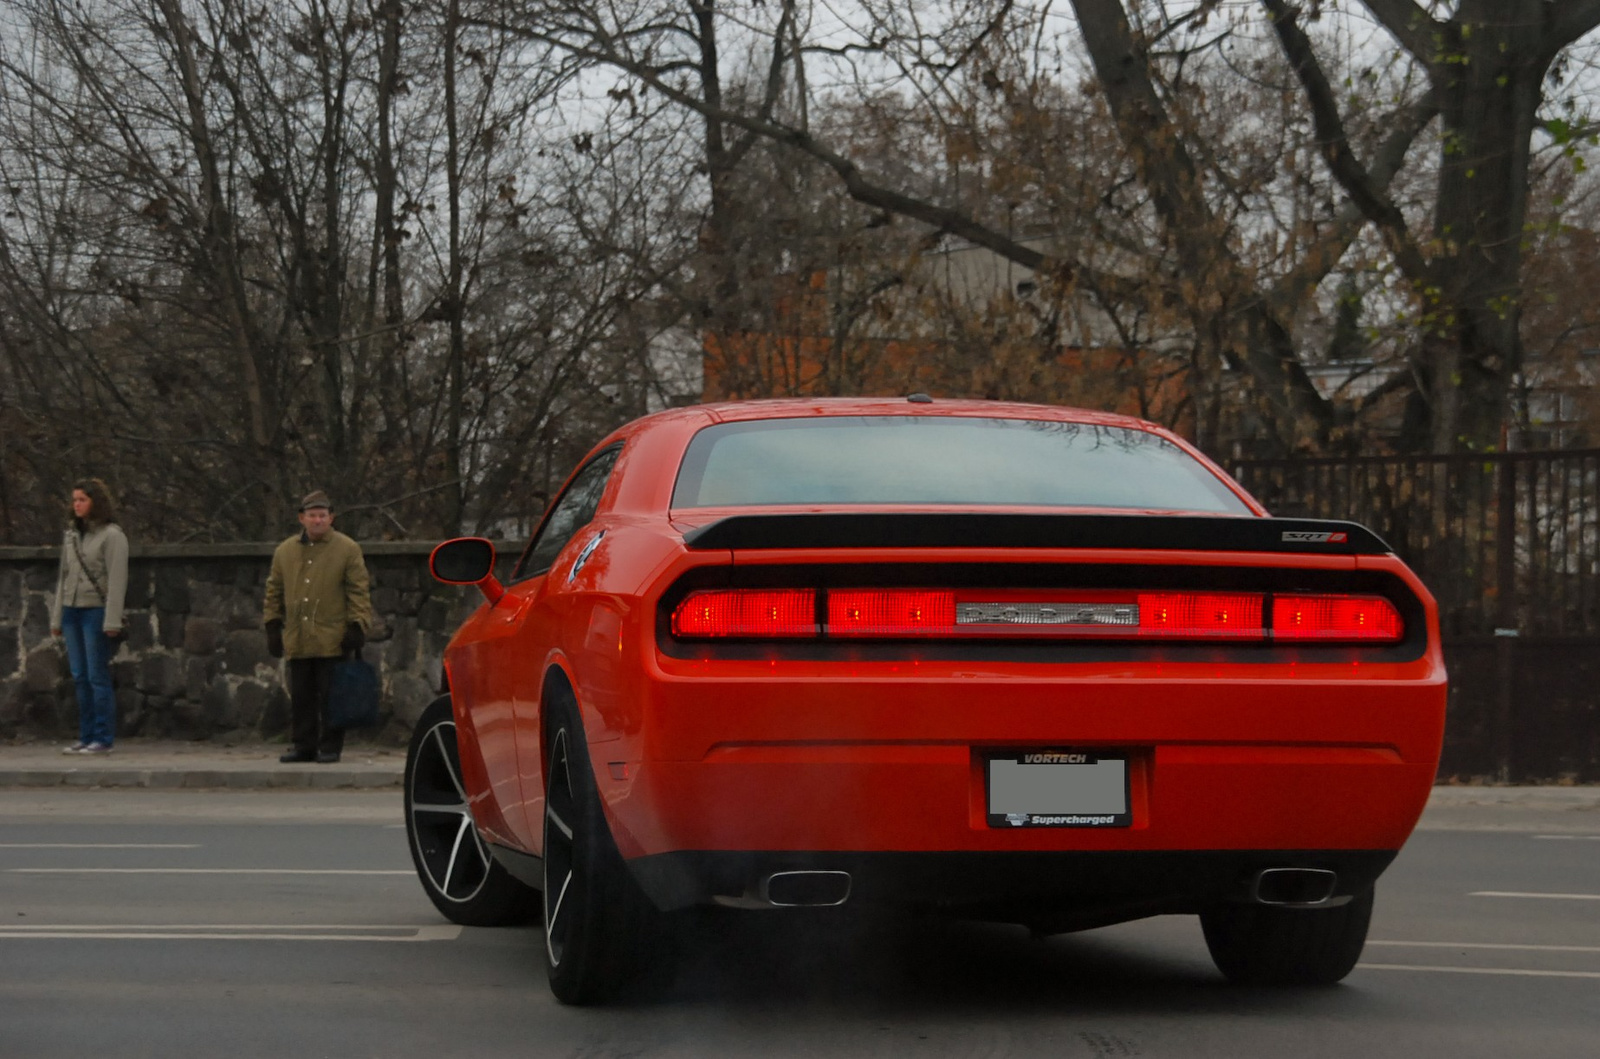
(943, 460)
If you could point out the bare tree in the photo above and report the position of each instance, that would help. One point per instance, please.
(1139, 51)
(1486, 63)
(250, 250)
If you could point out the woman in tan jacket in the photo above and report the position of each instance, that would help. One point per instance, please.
(87, 610)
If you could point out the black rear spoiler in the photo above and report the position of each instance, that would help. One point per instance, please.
(972, 530)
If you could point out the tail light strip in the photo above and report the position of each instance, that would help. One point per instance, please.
(759, 613)
(804, 613)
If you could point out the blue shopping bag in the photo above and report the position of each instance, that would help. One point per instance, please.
(353, 699)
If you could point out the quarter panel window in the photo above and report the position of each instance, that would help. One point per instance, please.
(574, 510)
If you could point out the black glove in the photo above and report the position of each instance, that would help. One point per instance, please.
(275, 638)
(353, 638)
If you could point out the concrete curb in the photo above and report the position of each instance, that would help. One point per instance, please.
(1579, 798)
(161, 764)
(288, 777)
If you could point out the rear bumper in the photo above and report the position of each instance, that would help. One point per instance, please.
(867, 765)
(933, 798)
(1049, 890)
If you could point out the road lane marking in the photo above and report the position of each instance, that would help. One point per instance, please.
(1515, 972)
(1485, 945)
(279, 932)
(209, 871)
(1549, 897)
(213, 926)
(1570, 838)
(99, 845)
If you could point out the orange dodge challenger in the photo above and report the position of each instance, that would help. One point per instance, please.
(1003, 661)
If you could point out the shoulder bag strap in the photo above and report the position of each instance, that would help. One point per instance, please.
(77, 546)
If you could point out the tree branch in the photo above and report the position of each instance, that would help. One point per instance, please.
(859, 186)
(1319, 260)
(1407, 22)
(1374, 204)
(774, 86)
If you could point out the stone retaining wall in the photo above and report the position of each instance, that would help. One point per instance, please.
(195, 663)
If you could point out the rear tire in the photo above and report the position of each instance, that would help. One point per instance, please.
(1266, 945)
(599, 928)
(453, 863)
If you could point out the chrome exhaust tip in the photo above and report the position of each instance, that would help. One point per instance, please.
(1296, 888)
(806, 889)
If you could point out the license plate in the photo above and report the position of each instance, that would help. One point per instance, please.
(1058, 788)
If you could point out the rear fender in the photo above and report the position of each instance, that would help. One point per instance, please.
(599, 752)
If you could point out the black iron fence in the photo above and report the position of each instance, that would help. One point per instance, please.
(1509, 544)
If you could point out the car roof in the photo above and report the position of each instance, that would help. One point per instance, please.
(799, 407)
(845, 406)
(680, 424)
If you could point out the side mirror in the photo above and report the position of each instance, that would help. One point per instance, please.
(467, 561)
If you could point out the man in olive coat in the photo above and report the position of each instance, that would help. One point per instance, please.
(316, 610)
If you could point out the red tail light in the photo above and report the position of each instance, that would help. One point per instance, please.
(1201, 615)
(762, 613)
(893, 612)
(1064, 614)
(1335, 618)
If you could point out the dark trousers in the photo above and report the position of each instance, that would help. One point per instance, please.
(310, 680)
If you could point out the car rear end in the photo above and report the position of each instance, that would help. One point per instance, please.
(1058, 714)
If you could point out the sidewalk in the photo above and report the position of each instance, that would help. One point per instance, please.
(171, 764)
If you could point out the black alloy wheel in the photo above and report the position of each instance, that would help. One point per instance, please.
(1270, 945)
(453, 863)
(600, 930)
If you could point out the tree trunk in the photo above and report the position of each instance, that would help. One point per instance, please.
(328, 263)
(384, 190)
(455, 495)
(219, 245)
(719, 242)
(1487, 66)
(1491, 92)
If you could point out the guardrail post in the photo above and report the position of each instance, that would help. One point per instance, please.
(1505, 617)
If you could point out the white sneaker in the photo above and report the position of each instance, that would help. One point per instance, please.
(75, 748)
(96, 748)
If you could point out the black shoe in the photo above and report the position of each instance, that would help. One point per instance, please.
(296, 755)
(327, 757)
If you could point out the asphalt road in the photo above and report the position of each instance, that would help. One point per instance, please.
(202, 924)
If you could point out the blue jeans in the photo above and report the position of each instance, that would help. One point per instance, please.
(89, 655)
